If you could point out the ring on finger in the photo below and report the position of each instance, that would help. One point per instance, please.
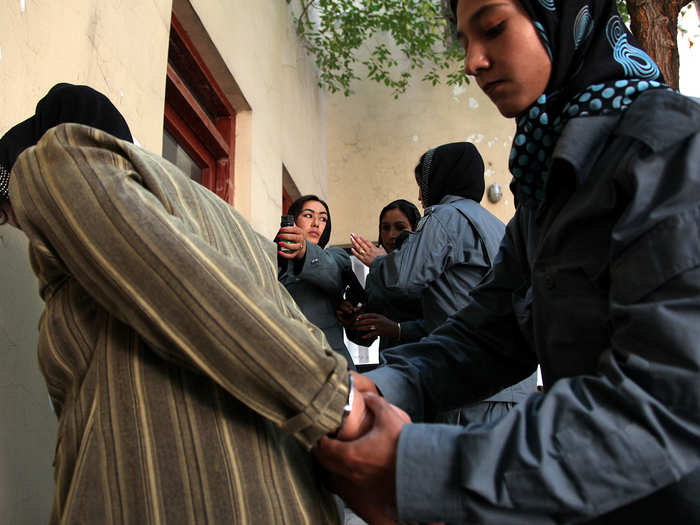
(362, 252)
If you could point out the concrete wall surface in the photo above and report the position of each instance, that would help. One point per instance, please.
(375, 141)
(27, 424)
(285, 125)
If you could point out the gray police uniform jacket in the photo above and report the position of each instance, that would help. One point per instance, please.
(610, 262)
(452, 249)
(317, 287)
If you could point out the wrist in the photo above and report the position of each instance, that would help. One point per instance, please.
(348, 406)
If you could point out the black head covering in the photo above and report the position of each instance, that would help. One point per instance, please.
(62, 104)
(598, 68)
(298, 205)
(409, 209)
(451, 169)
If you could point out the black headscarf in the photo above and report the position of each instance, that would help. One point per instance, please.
(598, 68)
(451, 169)
(297, 207)
(63, 103)
(407, 208)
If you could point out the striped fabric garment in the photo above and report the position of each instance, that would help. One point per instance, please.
(188, 385)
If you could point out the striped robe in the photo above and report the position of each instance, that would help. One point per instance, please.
(188, 385)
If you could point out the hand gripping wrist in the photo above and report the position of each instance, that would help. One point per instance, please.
(348, 406)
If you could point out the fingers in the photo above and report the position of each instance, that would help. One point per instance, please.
(364, 501)
(289, 241)
(288, 250)
(403, 415)
(294, 237)
(362, 245)
(376, 404)
(384, 412)
(360, 254)
(334, 455)
(292, 230)
(359, 239)
(368, 323)
(368, 318)
(364, 383)
(346, 307)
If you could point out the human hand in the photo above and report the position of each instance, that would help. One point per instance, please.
(365, 250)
(364, 384)
(376, 325)
(363, 501)
(359, 420)
(346, 313)
(297, 246)
(370, 460)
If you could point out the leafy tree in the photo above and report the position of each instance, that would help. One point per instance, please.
(335, 31)
(345, 36)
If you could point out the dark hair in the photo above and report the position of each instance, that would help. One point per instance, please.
(407, 208)
(453, 7)
(297, 207)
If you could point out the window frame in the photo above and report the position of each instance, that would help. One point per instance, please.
(198, 114)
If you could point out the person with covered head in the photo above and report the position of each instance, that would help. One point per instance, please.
(453, 248)
(313, 274)
(597, 280)
(394, 322)
(188, 385)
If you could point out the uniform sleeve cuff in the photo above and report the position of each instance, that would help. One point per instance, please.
(398, 390)
(427, 473)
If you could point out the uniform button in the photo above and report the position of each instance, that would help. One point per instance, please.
(548, 282)
(314, 261)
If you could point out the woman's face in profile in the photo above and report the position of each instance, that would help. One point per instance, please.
(312, 220)
(393, 222)
(503, 53)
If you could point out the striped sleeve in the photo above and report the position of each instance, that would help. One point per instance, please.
(100, 206)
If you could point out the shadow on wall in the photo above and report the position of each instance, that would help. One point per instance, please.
(27, 423)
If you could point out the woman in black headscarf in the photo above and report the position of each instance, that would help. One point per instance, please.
(453, 248)
(64, 103)
(453, 245)
(315, 276)
(392, 322)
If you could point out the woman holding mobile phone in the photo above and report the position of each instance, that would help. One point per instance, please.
(312, 273)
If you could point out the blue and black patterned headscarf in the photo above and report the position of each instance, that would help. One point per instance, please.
(598, 68)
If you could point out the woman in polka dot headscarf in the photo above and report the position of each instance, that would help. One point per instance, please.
(596, 68)
(597, 280)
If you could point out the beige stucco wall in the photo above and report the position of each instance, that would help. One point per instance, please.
(86, 42)
(374, 142)
(41, 43)
(120, 48)
(258, 44)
